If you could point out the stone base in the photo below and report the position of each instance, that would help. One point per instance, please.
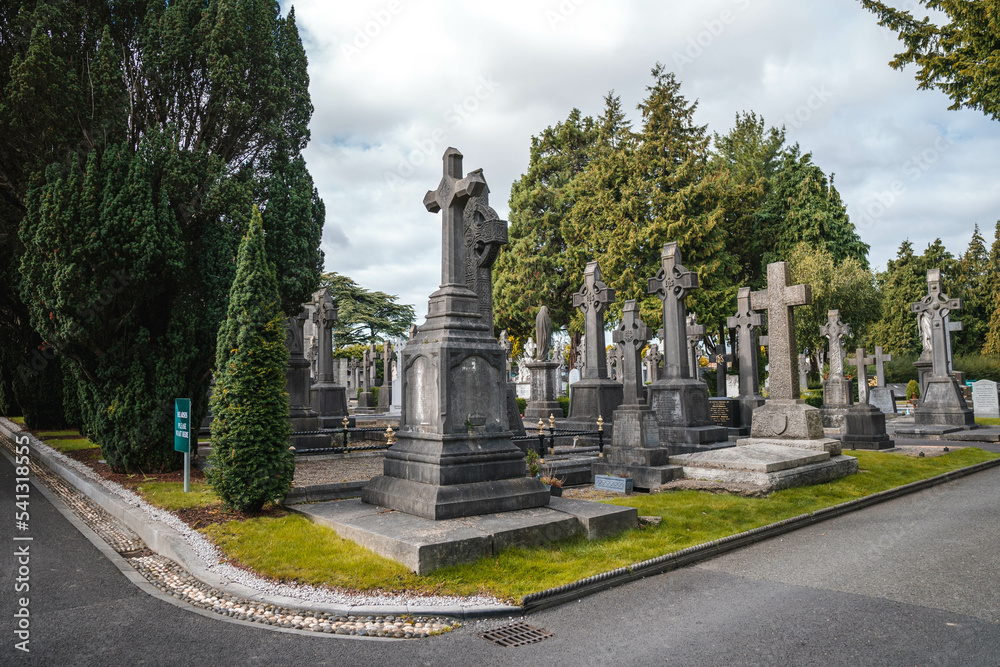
(514, 420)
(833, 417)
(328, 400)
(536, 410)
(315, 441)
(424, 545)
(787, 419)
(828, 445)
(543, 391)
(943, 405)
(747, 405)
(646, 477)
(883, 399)
(635, 426)
(864, 428)
(838, 396)
(366, 403)
(571, 470)
(303, 420)
(682, 412)
(435, 502)
(591, 398)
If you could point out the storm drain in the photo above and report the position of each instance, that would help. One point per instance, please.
(518, 634)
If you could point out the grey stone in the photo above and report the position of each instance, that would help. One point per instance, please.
(366, 400)
(653, 358)
(594, 395)
(778, 300)
(297, 383)
(454, 456)
(722, 361)
(385, 389)
(804, 475)
(838, 394)
(752, 458)
(543, 334)
(328, 398)
(543, 391)
(985, 400)
(693, 333)
(864, 428)
(860, 361)
(803, 371)
(884, 399)
(746, 322)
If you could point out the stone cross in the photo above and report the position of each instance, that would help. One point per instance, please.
(506, 347)
(387, 355)
(593, 299)
(653, 358)
(778, 300)
(631, 335)
(367, 363)
(450, 198)
(861, 362)
(880, 360)
(803, 370)
(693, 333)
(672, 283)
(722, 361)
(354, 365)
(746, 321)
(484, 233)
(836, 331)
(935, 307)
(324, 317)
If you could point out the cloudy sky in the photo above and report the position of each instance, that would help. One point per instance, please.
(395, 82)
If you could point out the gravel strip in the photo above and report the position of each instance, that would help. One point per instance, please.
(336, 470)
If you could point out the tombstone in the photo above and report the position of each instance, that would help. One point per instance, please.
(724, 410)
(679, 401)
(746, 321)
(385, 389)
(942, 407)
(635, 449)
(881, 395)
(722, 361)
(803, 371)
(694, 333)
(300, 413)
(396, 407)
(594, 396)
(454, 456)
(838, 394)
(574, 377)
(984, 399)
(513, 411)
(653, 358)
(544, 374)
(366, 400)
(864, 424)
(328, 398)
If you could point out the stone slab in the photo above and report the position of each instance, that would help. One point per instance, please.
(424, 545)
(650, 478)
(761, 457)
(884, 399)
(814, 473)
(817, 444)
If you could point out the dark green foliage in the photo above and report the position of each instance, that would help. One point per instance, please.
(912, 390)
(365, 317)
(901, 369)
(991, 342)
(814, 400)
(971, 285)
(522, 403)
(251, 461)
(563, 403)
(978, 367)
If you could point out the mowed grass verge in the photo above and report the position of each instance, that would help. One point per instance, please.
(292, 548)
(170, 495)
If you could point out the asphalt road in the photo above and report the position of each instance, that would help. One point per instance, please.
(910, 582)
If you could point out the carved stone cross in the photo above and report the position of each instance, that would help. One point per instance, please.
(366, 375)
(778, 300)
(860, 361)
(324, 317)
(880, 360)
(746, 321)
(951, 326)
(630, 336)
(722, 361)
(653, 358)
(693, 333)
(386, 363)
(484, 233)
(450, 198)
(936, 306)
(593, 299)
(835, 330)
(672, 283)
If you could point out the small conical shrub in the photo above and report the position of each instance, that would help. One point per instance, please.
(250, 461)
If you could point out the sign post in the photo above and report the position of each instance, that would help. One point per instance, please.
(182, 436)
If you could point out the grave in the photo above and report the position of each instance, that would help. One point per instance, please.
(544, 373)
(864, 424)
(746, 321)
(366, 400)
(881, 395)
(385, 389)
(328, 399)
(693, 333)
(838, 394)
(803, 371)
(679, 401)
(300, 413)
(984, 399)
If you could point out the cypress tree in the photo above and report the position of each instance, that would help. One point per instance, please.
(251, 462)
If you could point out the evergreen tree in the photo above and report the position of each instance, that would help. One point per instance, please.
(971, 286)
(991, 344)
(251, 463)
(365, 317)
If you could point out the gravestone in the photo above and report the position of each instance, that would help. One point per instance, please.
(544, 373)
(653, 358)
(454, 456)
(881, 396)
(635, 449)
(803, 371)
(746, 321)
(385, 389)
(942, 404)
(396, 407)
(694, 333)
(327, 397)
(300, 412)
(366, 401)
(984, 399)
(864, 424)
(594, 396)
(679, 401)
(722, 361)
(838, 394)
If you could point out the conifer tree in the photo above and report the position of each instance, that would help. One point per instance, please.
(970, 284)
(991, 345)
(251, 463)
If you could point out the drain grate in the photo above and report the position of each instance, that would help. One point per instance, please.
(518, 634)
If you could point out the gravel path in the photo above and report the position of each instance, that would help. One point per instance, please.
(313, 471)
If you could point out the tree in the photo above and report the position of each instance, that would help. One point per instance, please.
(991, 344)
(129, 177)
(970, 284)
(251, 463)
(365, 317)
(957, 58)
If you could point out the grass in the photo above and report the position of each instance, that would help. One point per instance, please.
(987, 421)
(292, 547)
(70, 444)
(58, 434)
(171, 496)
(17, 420)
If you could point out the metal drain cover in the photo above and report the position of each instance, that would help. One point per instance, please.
(517, 634)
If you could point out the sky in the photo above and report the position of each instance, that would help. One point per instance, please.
(396, 82)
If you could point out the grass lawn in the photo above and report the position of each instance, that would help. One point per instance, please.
(17, 420)
(70, 444)
(44, 435)
(292, 547)
(171, 496)
(987, 421)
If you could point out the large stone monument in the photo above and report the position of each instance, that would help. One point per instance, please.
(746, 321)
(300, 413)
(838, 395)
(881, 395)
(544, 373)
(366, 401)
(694, 333)
(328, 399)
(653, 359)
(942, 407)
(635, 449)
(385, 389)
(594, 396)
(679, 401)
(454, 456)
(864, 424)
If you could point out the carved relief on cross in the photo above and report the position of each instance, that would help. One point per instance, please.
(653, 358)
(861, 362)
(778, 300)
(672, 283)
(836, 331)
(324, 317)
(593, 299)
(630, 336)
(936, 306)
(450, 198)
(693, 334)
(746, 321)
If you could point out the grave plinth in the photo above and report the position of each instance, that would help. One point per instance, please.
(864, 428)
(594, 395)
(300, 413)
(328, 398)
(544, 380)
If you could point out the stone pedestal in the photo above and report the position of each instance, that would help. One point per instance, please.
(300, 414)
(543, 391)
(366, 403)
(838, 397)
(635, 450)
(514, 415)
(864, 428)
(791, 423)
(682, 412)
(329, 401)
(942, 404)
(591, 398)
(883, 399)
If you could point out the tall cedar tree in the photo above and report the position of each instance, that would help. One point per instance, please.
(365, 317)
(971, 285)
(251, 460)
(128, 179)
(533, 268)
(991, 344)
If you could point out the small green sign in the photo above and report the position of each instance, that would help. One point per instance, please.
(182, 425)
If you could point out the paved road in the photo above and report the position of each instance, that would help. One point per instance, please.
(910, 582)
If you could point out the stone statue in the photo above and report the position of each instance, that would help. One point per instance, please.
(543, 334)
(529, 350)
(924, 322)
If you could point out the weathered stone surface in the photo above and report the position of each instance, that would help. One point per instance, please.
(543, 391)
(864, 428)
(883, 399)
(328, 398)
(543, 334)
(694, 333)
(812, 473)
(595, 395)
(778, 300)
(746, 321)
(838, 393)
(300, 413)
(753, 458)
(985, 400)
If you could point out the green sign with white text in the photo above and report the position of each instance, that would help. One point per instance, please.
(182, 425)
